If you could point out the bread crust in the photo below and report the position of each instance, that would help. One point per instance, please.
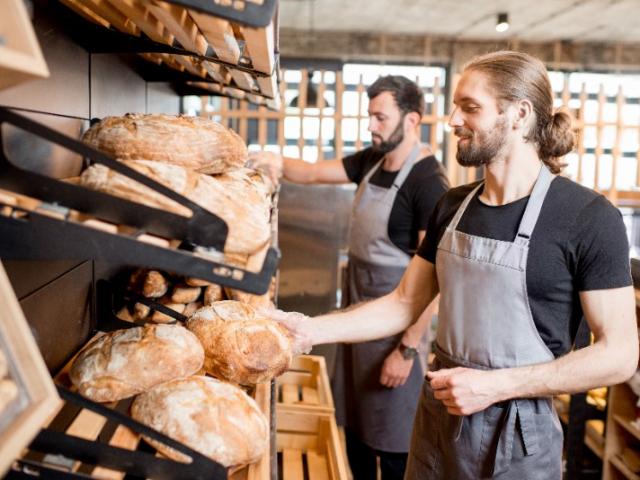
(213, 417)
(126, 362)
(240, 345)
(196, 143)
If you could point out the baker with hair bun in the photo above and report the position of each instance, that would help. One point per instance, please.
(519, 259)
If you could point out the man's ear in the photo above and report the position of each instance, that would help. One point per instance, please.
(524, 114)
(412, 120)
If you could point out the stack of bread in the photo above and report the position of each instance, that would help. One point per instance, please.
(182, 294)
(163, 364)
(196, 157)
(160, 364)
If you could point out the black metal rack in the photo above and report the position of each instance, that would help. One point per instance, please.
(140, 463)
(28, 234)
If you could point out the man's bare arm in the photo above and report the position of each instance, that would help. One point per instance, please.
(298, 171)
(611, 359)
(379, 318)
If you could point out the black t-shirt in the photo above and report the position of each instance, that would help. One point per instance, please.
(416, 198)
(578, 244)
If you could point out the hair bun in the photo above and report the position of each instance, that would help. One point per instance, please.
(558, 138)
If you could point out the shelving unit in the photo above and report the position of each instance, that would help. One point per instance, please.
(621, 434)
(229, 50)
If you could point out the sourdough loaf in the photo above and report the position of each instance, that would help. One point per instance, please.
(243, 206)
(240, 345)
(213, 417)
(126, 362)
(195, 143)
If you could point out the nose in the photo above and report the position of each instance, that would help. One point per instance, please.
(372, 124)
(455, 119)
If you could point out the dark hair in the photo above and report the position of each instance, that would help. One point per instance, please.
(407, 95)
(515, 76)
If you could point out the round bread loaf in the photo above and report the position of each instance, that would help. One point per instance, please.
(240, 345)
(123, 363)
(214, 418)
(233, 197)
(195, 143)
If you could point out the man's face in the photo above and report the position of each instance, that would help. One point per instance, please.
(482, 129)
(385, 123)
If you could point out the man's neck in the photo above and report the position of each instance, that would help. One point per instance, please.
(511, 178)
(395, 158)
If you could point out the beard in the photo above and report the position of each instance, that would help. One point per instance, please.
(396, 137)
(484, 149)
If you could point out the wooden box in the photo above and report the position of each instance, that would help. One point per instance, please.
(308, 445)
(20, 55)
(306, 385)
(27, 394)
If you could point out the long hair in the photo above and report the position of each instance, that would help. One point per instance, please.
(515, 76)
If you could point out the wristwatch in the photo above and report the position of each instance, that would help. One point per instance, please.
(407, 353)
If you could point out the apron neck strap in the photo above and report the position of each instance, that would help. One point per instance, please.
(465, 203)
(400, 177)
(534, 205)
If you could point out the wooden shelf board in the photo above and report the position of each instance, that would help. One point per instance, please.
(622, 468)
(626, 424)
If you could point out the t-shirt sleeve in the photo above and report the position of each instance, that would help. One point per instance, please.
(355, 166)
(429, 245)
(427, 198)
(601, 248)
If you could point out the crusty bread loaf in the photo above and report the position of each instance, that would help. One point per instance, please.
(196, 143)
(126, 362)
(234, 198)
(240, 345)
(214, 418)
(256, 301)
(185, 294)
(213, 293)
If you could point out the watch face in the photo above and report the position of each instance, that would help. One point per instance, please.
(408, 352)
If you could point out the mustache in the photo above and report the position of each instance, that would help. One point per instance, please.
(462, 132)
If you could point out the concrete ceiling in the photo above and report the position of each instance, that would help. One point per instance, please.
(530, 20)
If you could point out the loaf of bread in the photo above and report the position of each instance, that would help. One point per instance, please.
(126, 362)
(234, 198)
(196, 143)
(256, 301)
(214, 418)
(213, 293)
(240, 345)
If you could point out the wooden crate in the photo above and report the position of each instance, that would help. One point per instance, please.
(305, 385)
(308, 445)
(20, 55)
(34, 396)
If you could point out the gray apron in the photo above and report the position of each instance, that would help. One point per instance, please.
(485, 322)
(381, 417)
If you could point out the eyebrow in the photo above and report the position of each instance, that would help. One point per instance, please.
(466, 100)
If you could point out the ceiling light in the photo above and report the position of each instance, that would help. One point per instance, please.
(502, 24)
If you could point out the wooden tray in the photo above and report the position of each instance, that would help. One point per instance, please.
(308, 445)
(305, 386)
(36, 397)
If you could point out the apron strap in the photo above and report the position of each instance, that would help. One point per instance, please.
(465, 203)
(520, 412)
(534, 205)
(363, 184)
(403, 173)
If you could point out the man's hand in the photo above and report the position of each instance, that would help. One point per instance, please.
(267, 162)
(395, 370)
(464, 390)
(295, 323)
